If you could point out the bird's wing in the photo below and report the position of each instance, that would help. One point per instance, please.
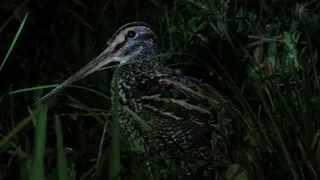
(182, 109)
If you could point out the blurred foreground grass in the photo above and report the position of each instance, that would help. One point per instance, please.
(262, 54)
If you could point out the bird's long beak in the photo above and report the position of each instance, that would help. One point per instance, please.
(100, 61)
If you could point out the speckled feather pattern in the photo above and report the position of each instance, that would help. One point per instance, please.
(183, 113)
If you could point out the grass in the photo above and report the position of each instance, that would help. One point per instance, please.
(262, 55)
(37, 168)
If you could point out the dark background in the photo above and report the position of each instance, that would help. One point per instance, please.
(60, 37)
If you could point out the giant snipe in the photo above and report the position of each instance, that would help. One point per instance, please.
(186, 116)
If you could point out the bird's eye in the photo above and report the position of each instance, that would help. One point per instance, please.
(131, 34)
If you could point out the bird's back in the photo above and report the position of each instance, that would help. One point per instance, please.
(188, 118)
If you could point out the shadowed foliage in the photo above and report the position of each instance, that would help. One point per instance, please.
(261, 54)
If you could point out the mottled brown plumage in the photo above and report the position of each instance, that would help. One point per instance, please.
(186, 116)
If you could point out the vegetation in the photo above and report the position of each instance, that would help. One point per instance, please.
(262, 54)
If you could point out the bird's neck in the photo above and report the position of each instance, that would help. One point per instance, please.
(130, 72)
(143, 60)
(141, 65)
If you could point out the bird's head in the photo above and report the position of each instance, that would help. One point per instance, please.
(132, 41)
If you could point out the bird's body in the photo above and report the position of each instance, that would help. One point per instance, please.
(185, 117)
(181, 111)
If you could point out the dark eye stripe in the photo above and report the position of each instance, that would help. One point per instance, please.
(119, 45)
(142, 37)
(128, 25)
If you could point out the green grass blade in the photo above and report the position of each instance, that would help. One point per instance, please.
(18, 128)
(89, 110)
(14, 41)
(16, 11)
(138, 118)
(32, 89)
(62, 161)
(282, 143)
(37, 170)
(114, 166)
(102, 154)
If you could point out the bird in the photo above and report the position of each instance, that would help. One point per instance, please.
(188, 119)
